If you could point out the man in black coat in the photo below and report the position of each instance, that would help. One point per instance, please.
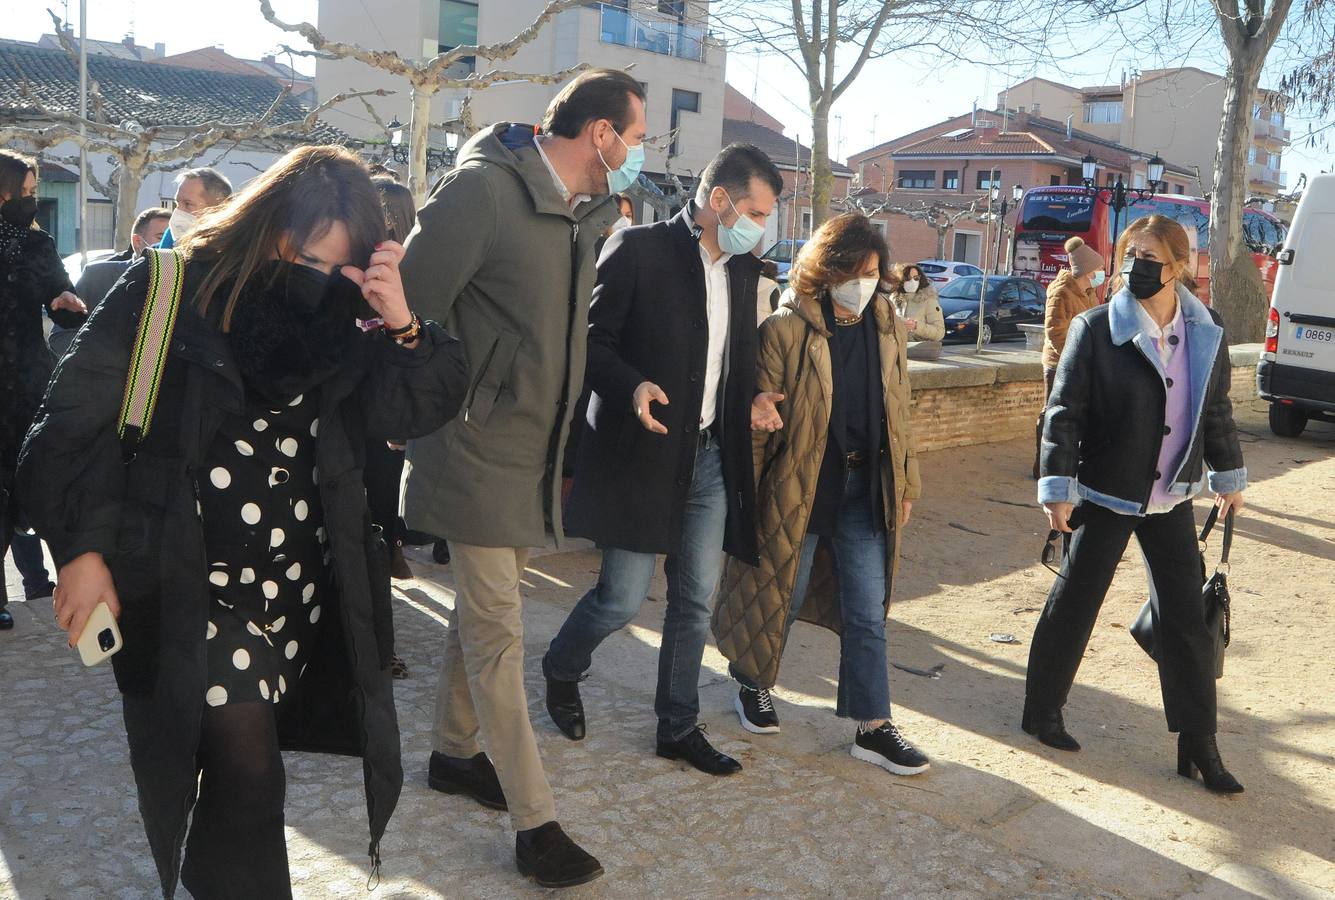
(665, 465)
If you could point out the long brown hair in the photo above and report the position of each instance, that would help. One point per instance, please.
(400, 211)
(837, 253)
(296, 201)
(14, 169)
(1171, 234)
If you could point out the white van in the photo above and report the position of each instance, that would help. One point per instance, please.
(1296, 373)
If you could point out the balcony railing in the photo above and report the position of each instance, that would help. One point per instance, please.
(1268, 130)
(1265, 174)
(652, 31)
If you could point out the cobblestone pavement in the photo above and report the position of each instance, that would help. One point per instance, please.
(998, 815)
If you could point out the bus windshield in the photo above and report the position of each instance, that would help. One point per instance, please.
(1059, 212)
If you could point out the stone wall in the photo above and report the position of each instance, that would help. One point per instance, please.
(966, 399)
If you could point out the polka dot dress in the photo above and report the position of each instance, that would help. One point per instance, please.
(269, 563)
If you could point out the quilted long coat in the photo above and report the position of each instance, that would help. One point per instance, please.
(794, 360)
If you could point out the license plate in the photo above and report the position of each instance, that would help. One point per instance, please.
(1315, 335)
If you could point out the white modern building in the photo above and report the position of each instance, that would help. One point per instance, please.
(665, 44)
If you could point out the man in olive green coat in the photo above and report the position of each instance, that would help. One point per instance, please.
(503, 255)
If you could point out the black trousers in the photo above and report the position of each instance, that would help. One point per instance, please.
(383, 477)
(1186, 658)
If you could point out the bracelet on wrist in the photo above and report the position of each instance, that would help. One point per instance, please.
(406, 335)
(395, 332)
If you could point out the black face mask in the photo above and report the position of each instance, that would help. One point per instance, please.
(19, 211)
(1144, 277)
(306, 287)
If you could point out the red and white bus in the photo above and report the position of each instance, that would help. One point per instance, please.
(1049, 216)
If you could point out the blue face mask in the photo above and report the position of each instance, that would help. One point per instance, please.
(1098, 277)
(741, 236)
(620, 180)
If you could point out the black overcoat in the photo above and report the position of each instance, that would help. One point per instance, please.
(647, 323)
(81, 496)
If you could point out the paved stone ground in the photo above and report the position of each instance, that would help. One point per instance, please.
(998, 815)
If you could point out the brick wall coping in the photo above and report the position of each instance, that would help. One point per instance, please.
(961, 367)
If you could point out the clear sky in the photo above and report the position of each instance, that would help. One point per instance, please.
(892, 97)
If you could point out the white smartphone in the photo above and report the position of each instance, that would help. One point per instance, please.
(101, 639)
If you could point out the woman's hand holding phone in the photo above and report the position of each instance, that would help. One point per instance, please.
(82, 584)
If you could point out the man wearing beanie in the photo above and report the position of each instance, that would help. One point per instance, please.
(1069, 294)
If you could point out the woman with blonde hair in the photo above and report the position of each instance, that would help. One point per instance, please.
(231, 539)
(836, 351)
(1139, 411)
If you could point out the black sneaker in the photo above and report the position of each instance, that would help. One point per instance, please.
(755, 708)
(886, 747)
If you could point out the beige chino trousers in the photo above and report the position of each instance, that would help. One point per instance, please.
(482, 680)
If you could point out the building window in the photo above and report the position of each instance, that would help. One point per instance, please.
(1251, 155)
(917, 180)
(806, 224)
(950, 179)
(682, 101)
(1054, 180)
(458, 28)
(1179, 188)
(1274, 160)
(1138, 180)
(988, 178)
(1108, 178)
(661, 28)
(1277, 118)
(1256, 110)
(1103, 112)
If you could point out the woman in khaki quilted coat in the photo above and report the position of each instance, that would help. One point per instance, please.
(835, 486)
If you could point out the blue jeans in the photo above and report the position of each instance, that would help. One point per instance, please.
(860, 558)
(692, 577)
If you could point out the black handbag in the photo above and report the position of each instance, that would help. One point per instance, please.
(1215, 595)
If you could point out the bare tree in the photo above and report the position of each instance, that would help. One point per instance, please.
(138, 152)
(941, 215)
(1249, 30)
(428, 77)
(814, 35)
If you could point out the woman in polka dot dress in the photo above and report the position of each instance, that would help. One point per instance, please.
(233, 540)
(266, 593)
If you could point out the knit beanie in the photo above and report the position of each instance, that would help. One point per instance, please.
(1082, 257)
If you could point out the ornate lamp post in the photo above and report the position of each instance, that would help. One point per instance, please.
(436, 157)
(1017, 193)
(1117, 195)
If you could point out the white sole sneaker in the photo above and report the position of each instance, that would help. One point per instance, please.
(876, 759)
(748, 724)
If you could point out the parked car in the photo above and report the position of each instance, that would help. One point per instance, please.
(1296, 372)
(782, 254)
(1010, 302)
(944, 271)
(74, 262)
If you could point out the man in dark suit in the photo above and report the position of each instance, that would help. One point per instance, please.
(97, 278)
(665, 465)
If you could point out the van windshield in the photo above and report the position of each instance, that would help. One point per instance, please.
(1065, 213)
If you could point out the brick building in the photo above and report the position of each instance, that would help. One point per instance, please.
(941, 171)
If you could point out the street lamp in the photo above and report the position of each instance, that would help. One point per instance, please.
(1117, 195)
(1017, 194)
(436, 158)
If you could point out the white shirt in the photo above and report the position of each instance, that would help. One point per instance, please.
(717, 313)
(572, 199)
(1159, 335)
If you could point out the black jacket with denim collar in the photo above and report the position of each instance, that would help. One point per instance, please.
(1103, 428)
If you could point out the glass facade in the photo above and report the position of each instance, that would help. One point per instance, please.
(668, 33)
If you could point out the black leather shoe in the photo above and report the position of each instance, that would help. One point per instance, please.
(1201, 752)
(1047, 726)
(6, 619)
(564, 705)
(474, 778)
(696, 750)
(548, 856)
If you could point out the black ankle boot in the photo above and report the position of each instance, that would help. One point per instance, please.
(1201, 752)
(1047, 726)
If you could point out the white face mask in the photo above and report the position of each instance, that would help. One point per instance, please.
(182, 223)
(621, 223)
(856, 294)
(911, 286)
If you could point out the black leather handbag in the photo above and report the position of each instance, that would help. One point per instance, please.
(1215, 593)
